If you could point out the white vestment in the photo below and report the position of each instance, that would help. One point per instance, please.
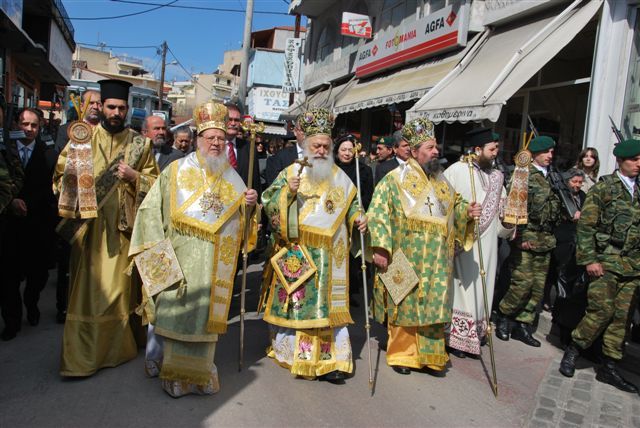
(468, 324)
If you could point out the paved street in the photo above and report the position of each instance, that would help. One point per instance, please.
(34, 395)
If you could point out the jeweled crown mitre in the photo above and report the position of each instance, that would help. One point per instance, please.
(210, 115)
(316, 121)
(418, 131)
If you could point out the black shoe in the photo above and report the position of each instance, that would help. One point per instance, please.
(503, 327)
(402, 370)
(458, 353)
(568, 363)
(33, 316)
(336, 377)
(608, 373)
(8, 334)
(521, 332)
(484, 339)
(61, 317)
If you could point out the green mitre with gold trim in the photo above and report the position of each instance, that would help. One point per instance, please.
(418, 131)
(316, 121)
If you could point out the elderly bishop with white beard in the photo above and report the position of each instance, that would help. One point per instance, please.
(196, 207)
(312, 210)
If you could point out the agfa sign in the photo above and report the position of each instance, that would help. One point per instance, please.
(441, 31)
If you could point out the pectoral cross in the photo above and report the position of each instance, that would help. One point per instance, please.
(303, 162)
(429, 205)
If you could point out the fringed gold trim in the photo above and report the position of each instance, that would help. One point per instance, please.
(312, 239)
(320, 368)
(216, 327)
(426, 226)
(182, 374)
(186, 227)
(338, 319)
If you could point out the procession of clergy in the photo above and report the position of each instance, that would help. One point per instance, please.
(162, 249)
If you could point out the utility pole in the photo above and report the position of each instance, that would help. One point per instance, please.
(296, 34)
(164, 64)
(246, 49)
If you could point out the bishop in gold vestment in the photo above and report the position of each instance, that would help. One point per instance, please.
(101, 182)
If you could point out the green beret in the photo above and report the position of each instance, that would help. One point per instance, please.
(541, 144)
(627, 149)
(495, 137)
(386, 141)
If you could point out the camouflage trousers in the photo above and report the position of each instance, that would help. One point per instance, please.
(528, 276)
(609, 308)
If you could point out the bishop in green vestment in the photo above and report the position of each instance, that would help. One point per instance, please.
(198, 203)
(416, 211)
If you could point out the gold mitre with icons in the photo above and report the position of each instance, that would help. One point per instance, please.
(316, 121)
(418, 131)
(210, 115)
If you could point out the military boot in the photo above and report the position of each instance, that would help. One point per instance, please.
(568, 363)
(502, 327)
(521, 332)
(608, 373)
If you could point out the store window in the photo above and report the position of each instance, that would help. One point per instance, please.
(631, 108)
(324, 45)
(394, 11)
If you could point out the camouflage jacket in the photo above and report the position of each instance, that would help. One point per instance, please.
(543, 209)
(609, 227)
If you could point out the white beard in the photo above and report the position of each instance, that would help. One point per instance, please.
(320, 168)
(215, 164)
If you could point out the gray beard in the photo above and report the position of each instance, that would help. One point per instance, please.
(215, 164)
(432, 168)
(320, 168)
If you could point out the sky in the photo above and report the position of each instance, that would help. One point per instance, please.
(197, 39)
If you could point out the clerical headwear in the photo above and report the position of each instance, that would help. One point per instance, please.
(541, 144)
(114, 88)
(418, 131)
(316, 121)
(480, 136)
(210, 115)
(627, 149)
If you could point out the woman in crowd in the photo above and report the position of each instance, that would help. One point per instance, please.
(589, 163)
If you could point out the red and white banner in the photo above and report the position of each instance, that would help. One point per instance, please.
(356, 25)
(441, 31)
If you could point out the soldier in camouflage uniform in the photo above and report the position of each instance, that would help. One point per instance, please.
(531, 250)
(609, 247)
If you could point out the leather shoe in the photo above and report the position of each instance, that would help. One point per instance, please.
(568, 363)
(336, 377)
(33, 316)
(458, 353)
(608, 373)
(521, 332)
(503, 328)
(8, 334)
(402, 370)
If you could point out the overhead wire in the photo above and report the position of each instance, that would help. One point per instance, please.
(215, 9)
(185, 70)
(99, 18)
(99, 45)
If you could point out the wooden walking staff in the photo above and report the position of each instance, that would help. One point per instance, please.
(483, 277)
(248, 125)
(363, 266)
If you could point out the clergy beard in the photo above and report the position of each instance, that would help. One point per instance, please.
(321, 168)
(215, 164)
(432, 168)
(484, 163)
(116, 127)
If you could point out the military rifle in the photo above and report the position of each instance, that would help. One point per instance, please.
(557, 183)
(616, 131)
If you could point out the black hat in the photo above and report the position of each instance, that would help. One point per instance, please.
(480, 136)
(114, 88)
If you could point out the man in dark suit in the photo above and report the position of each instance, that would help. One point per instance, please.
(92, 117)
(386, 159)
(28, 244)
(284, 157)
(155, 128)
(238, 149)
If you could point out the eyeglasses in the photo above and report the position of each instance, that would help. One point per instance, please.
(214, 140)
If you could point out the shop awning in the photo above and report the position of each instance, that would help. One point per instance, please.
(323, 98)
(408, 84)
(274, 129)
(500, 65)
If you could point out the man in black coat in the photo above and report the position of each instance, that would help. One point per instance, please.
(238, 149)
(28, 244)
(155, 128)
(284, 157)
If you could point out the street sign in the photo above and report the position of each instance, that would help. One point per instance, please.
(292, 64)
(356, 25)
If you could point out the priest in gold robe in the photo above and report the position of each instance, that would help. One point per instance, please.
(312, 210)
(102, 176)
(415, 212)
(199, 204)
